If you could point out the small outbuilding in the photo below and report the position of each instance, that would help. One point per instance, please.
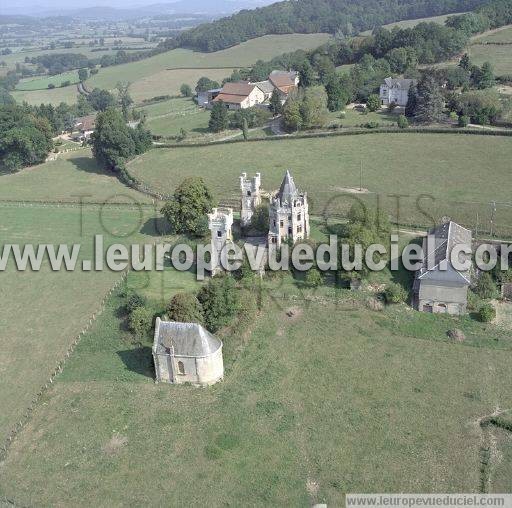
(186, 353)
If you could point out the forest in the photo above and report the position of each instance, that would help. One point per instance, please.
(338, 17)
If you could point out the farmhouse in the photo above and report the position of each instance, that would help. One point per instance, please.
(186, 353)
(440, 288)
(284, 81)
(240, 95)
(395, 91)
(84, 126)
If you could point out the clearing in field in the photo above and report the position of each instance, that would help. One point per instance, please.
(438, 174)
(304, 399)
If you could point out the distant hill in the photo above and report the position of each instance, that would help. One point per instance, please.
(314, 16)
(207, 8)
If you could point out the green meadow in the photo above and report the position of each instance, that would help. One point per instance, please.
(436, 175)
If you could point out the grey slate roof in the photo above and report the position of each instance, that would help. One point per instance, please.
(446, 235)
(288, 191)
(184, 339)
(404, 84)
(265, 86)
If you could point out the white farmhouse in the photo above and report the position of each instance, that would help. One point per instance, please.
(186, 353)
(240, 95)
(395, 90)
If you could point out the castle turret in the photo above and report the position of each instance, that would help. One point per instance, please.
(251, 197)
(288, 213)
(220, 223)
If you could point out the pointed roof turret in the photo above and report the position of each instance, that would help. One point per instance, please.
(287, 191)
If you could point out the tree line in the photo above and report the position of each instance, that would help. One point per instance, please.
(338, 17)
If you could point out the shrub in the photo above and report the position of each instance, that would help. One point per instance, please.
(51, 86)
(314, 278)
(375, 304)
(463, 121)
(219, 300)
(485, 286)
(486, 313)
(402, 122)
(133, 301)
(373, 102)
(65, 83)
(141, 321)
(185, 308)
(395, 293)
(371, 125)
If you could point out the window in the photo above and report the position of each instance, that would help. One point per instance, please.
(299, 229)
(281, 223)
(249, 193)
(299, 216)
(274, 239)
(219, 234)
(181, 368)
(274, 223)
(289, 230)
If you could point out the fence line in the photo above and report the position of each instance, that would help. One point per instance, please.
(20, 424)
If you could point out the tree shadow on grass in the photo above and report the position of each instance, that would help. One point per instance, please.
(156, 226)
(89, 165)
(138, 360)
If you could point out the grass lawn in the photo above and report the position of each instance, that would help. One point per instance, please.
(174, 105)
(437, 174)
(55, 96)
(332, 400)
(42, 82)
(355, 118)
(73, 176)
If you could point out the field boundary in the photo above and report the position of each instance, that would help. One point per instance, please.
(26, 417)
(324, 134)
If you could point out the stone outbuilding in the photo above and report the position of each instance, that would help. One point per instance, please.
(186, 353)
(440, 287)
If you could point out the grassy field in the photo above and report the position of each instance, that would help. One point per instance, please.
(43, 311)
(72, 175)
(503, 34)
(152, 77)
(437, 174)
(499, 56)
(43, 81)
(410, 23)
(195, 123)
(67, 94)
(311, 407)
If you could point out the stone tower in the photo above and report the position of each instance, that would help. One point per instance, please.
(220, 222)
(251, 197)
(288, 214)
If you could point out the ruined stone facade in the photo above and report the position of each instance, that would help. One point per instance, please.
(220, 223)
(251, 197)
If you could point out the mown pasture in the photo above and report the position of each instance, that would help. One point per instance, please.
(437, 175)
(334, 399)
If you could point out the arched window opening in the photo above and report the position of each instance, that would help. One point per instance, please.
(181, 368)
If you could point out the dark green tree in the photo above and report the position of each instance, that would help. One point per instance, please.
(101, 100)
(465, 62)
(186, 90)
(205, 83)
(245, 129)
(83, 74)
(337, 97)
(186, 212)
(412, 101)
(275, 102)
(220, 302)
(430, 101)
(124, 98)
(487, 79)
(219, 119)
(185, 308)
